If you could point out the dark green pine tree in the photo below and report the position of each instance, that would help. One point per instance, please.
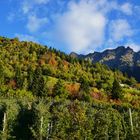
(19, 77)
(1, 74)
(116, 90)
(85, 86)
(30, 78)
(38, 83)
(60, 90)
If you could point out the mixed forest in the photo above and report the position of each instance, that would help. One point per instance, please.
(46, 94)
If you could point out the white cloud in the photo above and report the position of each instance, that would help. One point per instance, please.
(119, 29)
(28, 5)
(41, 1)
(82, 26)
(35, 23)
(127, 8)
(25, 37)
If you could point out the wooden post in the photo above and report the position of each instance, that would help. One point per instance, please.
(131, 120)
(117, 135)
(48, 130)
(4, 127)
(41, 127)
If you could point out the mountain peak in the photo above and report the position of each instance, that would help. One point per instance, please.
(73, 54)
(122, 58)
(120, 47)
(129, 48)
(123, 48)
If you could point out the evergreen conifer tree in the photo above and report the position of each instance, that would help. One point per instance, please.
(116, 90)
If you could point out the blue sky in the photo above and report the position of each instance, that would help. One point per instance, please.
(82, 26)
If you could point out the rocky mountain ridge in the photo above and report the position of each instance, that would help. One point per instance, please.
(122, 58)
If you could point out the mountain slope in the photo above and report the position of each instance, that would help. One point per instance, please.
(46, 94)
(22, 62)
(124, 59)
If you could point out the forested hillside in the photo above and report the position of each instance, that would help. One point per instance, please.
(46, 94)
